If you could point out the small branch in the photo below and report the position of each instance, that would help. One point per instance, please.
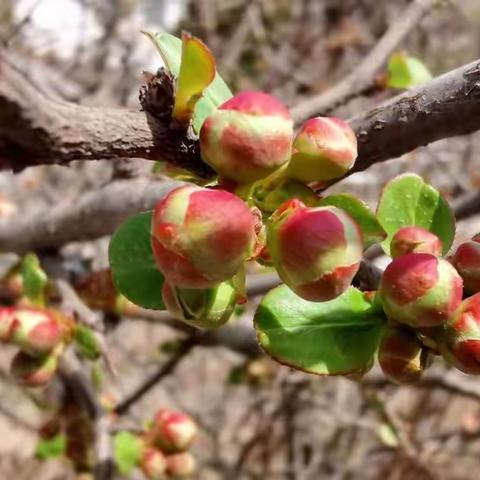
(363, 76)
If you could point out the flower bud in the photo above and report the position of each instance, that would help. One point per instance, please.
(316, 251)
(401, 355)
(248, 137)
(467, 262)
(460, 339)
(420, 290)
(415, 240)
(325, 148)
(172, 431)
(201, 237)
(35, 331)
(33, 371)
(201, 307)
(180, 465)
(153, 464)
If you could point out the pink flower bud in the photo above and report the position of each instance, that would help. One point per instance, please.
(172, 431)
(35, 331)
(153, 464)
(415, 240)
(316, 251)
(467, 262)
(180, 465)
(401, 355)
(33, 371)
(201, 236)
(420, 290)
(248, 137)
(460, 340)
(201, 307)
(325, 148)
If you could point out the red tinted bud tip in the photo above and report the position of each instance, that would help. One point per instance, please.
(324, 149)
(248, 137)
(180, 465)
(415, 240)
(401, 355)
(316, 251)
(33, 371)
(172, 431)
(420, 290)
(460, 340)
(467, 262)
(153, 464)
(201, 237)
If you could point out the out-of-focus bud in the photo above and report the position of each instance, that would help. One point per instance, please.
(35, 331)
(180, 465)
(460, 339)
(324, 149)
(153, 464)
(201, 237)
(172, 431)
(202, 308)
(316, 251)
(401, 355)
(248, 137)
(467, 262)
(420, 290)
(415, 240)
(33, 371)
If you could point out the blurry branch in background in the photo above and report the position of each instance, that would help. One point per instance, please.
(363, 76)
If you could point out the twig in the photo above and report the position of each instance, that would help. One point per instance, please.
(362, 77)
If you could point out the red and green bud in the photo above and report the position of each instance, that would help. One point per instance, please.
(316, 251)
(420, 290)
(324, 149)
(33, 371)
(248, 137)
(401, 355)
(201, 237)
(180, 465)
(201, 307)
(415, 240)
(172, 431)
(153, 464)
(35, 331)
(467, 262)
(460, 339)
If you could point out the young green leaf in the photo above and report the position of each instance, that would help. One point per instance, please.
(197, 71)
(361, 213)
(405, 71)
(339, 337)
(127, 451)
(133, 268)
(52, 447)
(170, 49)
(34, 279)
(408, 201)
(87, 342)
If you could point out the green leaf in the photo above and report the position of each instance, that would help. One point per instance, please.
(133, 268)
(127, 451)
(34, 279)
(170, 49)
(405, 71)
(387, 435)
(87, 343)
(53, 447)
(408, 201)
(339, 337)
(197, 71)
(361, 213)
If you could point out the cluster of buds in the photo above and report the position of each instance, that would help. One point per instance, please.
(166, 443)
(39, 335)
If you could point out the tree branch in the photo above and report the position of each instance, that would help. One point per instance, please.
(363, 76)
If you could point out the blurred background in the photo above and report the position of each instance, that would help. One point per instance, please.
(258, 420)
